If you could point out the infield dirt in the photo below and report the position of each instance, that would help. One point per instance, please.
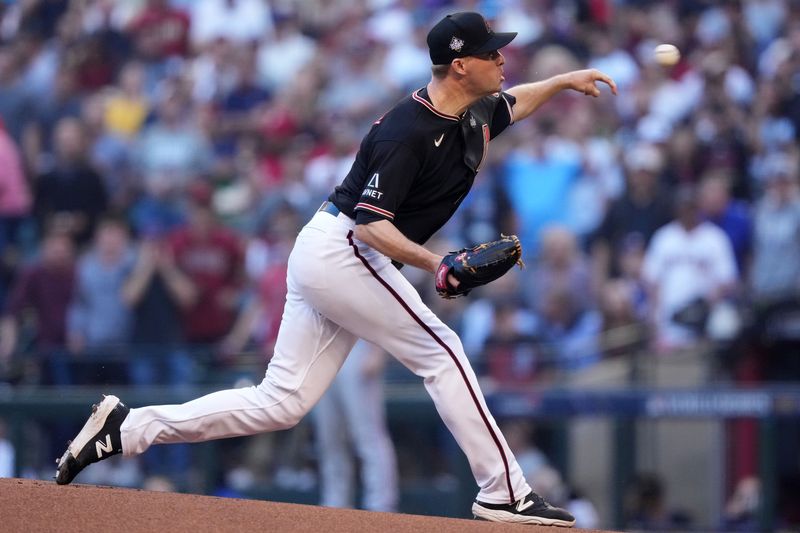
(31, 505)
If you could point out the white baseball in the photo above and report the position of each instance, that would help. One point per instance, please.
(667, 54)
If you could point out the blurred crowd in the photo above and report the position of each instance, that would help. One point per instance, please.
(158, 158)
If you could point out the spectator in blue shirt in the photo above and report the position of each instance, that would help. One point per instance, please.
(98, 321)
(731, 215)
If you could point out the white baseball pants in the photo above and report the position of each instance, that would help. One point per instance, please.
(339, 289)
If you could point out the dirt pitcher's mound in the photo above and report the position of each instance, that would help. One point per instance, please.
(28, 505)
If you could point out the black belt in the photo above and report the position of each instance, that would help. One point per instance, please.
(329, 207)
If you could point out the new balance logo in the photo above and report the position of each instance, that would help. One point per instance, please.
(523, 504)
(101, 446)
(373, 181)
(437, 142)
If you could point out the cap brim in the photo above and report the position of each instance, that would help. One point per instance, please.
(496, 42)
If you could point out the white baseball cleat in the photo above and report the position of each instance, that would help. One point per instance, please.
(98, 439)
(532, 509)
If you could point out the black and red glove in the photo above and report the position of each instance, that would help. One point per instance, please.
(477, 266)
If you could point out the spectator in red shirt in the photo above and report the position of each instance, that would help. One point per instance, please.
(266, 259)
(44, 288)
(212, 258)
(160, 31)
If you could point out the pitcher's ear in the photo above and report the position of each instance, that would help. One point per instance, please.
(459, 65)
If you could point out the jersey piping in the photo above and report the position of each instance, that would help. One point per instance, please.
(486, 136)
(376, 210)
(510, 109)
(433, 110)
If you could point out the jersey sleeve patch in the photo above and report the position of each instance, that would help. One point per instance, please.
(390, 171)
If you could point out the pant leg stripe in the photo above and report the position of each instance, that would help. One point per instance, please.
(441, 343)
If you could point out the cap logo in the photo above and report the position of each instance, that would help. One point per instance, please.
(456, 44)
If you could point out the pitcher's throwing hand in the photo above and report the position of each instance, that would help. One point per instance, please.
(585, 81)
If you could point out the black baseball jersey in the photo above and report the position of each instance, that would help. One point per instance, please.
(416, 164)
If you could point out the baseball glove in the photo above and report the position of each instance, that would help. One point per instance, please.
(477, 266)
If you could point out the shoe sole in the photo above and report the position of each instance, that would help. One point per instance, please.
(492, 515)
(91, 428)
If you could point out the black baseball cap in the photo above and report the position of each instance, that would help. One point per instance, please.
(464, 34)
